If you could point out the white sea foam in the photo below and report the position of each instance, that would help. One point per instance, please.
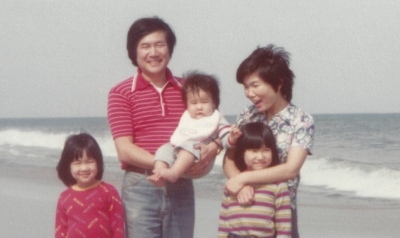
(364, 180)
(32, 138)
(107, 146)
(48, 140)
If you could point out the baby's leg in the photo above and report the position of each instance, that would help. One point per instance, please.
(182, 163)
(156, 178)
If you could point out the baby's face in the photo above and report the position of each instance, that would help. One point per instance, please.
(200, 104)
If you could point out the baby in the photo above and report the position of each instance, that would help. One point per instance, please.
(200, 123)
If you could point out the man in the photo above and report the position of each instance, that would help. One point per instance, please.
(143, 112)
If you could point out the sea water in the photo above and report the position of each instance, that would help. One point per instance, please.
(356, 153)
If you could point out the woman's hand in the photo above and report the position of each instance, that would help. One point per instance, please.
(243, 192)
(207, 153)
(234, 185)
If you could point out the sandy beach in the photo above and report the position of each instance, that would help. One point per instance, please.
(29, 196)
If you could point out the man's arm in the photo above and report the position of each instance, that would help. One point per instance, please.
(132, 154)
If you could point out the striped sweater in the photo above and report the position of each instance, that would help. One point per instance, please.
(269, 214)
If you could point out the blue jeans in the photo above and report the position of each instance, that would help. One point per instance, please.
(154, 212)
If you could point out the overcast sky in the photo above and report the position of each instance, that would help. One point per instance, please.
(60, 58)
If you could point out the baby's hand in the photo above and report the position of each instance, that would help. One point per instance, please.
(234, 134)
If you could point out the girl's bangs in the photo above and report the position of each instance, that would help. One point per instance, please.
(253, 142)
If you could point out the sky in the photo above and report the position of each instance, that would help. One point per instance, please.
(61, 58)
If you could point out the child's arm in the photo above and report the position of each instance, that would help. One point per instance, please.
(61, 220)
(228, 134)
(223, 224)
(283, 212)
(116, 212)
(234, 135)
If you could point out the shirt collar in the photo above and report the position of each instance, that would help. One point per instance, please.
(76, 188)
(139, 82)
(286, 113)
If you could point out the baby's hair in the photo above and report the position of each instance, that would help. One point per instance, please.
(196, 81)
(254, 135)
(74, 147)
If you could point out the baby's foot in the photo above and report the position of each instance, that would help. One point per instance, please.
(156, 180)
(168, 174)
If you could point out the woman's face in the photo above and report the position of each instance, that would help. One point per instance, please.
(262, 94)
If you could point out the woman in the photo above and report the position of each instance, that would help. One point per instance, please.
(268, 83)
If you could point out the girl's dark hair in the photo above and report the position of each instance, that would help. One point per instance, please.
(196, 81)
(271, 64)
(254, 135)
(74, 147)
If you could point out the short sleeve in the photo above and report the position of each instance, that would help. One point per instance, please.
(119, 114)
(304, 132)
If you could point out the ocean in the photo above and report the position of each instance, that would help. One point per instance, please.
(353, 154)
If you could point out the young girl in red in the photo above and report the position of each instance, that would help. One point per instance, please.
(89, 207)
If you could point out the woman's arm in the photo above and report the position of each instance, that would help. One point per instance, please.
(282, 172)
(245, 194)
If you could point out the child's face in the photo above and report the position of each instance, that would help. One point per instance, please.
(84, 170)
(256, 159)
(200, 104)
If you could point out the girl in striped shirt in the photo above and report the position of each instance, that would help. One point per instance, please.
(269, 215)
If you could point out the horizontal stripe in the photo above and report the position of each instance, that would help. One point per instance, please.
(245, 216)
(269, 214)
(144, 114)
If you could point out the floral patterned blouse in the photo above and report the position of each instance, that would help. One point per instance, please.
(291, 127)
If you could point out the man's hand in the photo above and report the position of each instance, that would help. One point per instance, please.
(207, 153)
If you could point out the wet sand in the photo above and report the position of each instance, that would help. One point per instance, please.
(29, 196)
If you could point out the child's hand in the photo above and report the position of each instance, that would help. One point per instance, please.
(234, 134)
(246, 195)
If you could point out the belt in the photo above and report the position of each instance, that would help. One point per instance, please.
(132, 168)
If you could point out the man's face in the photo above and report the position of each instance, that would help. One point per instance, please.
(153, 55)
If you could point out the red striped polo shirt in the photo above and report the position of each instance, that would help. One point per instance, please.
(136, 108)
